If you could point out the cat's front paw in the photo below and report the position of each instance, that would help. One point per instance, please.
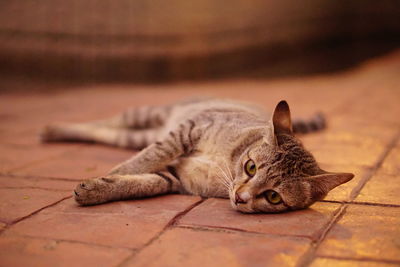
(94, 191)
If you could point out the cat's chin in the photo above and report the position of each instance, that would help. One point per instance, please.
(241, 208)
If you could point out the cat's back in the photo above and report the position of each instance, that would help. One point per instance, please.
(216, 121)
(223, 109)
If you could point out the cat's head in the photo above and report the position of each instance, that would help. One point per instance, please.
(277, 174)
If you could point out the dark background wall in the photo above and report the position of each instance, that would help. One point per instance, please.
(156, 41)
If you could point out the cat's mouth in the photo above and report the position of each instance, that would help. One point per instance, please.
(242, 207)
(238, 203)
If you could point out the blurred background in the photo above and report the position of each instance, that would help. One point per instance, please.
(167, 41)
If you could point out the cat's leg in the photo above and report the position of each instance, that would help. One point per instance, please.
(87, 132)
(119, 187)
(144, 174)
(144, 117)
(115, 131)
(158, 155)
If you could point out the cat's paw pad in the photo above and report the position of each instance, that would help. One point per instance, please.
(93, 191)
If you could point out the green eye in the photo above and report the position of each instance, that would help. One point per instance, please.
(250, 168)
(273, 197)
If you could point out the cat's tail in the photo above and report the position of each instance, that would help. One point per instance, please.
(316, 123)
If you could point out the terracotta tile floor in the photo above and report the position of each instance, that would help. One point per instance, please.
(358, 224)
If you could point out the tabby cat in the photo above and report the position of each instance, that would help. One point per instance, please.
(210, 148)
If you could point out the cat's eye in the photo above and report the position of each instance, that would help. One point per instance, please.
(273, 197)
(250, 168)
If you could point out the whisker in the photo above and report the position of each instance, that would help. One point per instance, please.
(230, 174)
(224, 178)
(224, 174)
(223, 182)
(227, 181)
(228, 170)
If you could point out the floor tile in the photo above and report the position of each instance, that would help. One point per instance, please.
(21, 196)
(87, 162)
(21, 251)
(381, 188)
(391, 165)
(16, 203)
(365, 232)
(218, 213)
(20, 182)
(18, 156)
(128, 224)
(185, 247)
(324, 262)
(366, 154)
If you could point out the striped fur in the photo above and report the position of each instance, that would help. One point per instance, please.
(201, 148)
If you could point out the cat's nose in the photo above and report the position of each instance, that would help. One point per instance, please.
(238, 199)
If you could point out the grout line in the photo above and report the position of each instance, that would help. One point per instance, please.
(362, 203)
(356, 190)
(70, 241)
(179, 216)
(333, 201)
(362, 259)
(8, 175)
(169, 225)
(375, 204)
(309, 256)
(8, 225)
(230, 230)
(2, 230)
(36, 187)
(39, 210)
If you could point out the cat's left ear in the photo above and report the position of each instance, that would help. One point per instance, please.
(281, 119)
(321, 184)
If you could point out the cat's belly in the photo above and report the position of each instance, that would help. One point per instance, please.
(200, 176)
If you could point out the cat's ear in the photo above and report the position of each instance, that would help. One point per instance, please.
(321, 184)
(281, 119)
(269, 136)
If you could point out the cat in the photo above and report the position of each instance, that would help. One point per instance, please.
(210, 148)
